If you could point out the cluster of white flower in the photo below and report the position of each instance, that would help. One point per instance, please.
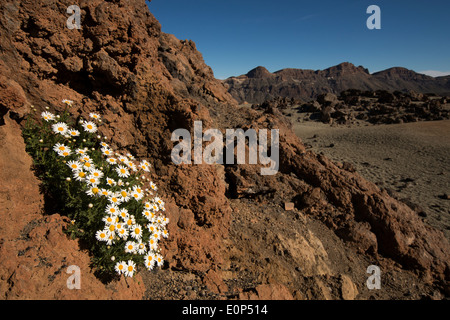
(120, 225)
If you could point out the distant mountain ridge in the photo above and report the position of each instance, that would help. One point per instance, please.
(259, 85)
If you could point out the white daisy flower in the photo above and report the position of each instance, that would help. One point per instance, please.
(159, 201)
(107, 152)
(130, 221)
(74, 165)
(89, 126)
(136, 231)
(156, 235)
(159, 260)
(165, 233)
(102, 235)
(60, 128)
(114, 198)
(68, 102)
(122, 233)
(153, 244)
(47, 116)
(141, 248)
(155, 207)
(131, 269)
(73, 133)
(137, 193)
(120, 267)
(132, 166)
(109, 219)
(104, 144)
(131, 247)
(112, 209)
(111, 239)
(152, 228)
(150, 261)
(122, 172)
(96, 173)
(81, 151)
(60, 147)
(165, 221)
(147, 214)
(93, 191)
(123, 213)
(144, 165)
(125, 195)
(92, 180)
(94, 115)
(111, 227)
(105, 192)
(111, 160)
(111, 182)
(79, 175)
(123, 159)
(88, 166)
(65, 153)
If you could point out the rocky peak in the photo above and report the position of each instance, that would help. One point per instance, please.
(259, 72)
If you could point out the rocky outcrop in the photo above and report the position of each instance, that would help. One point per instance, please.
(228, 227)
(304, 84)
(375, 107)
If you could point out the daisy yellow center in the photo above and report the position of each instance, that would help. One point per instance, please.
(122, 171)
(60, 129)
(112, 227)
(112, 210)
(74, 166)
(92, 180)
(81, 174)
(123, 193)
(102, 235)
(87, 164)
(62, 148)
(65, 153)
(129, 222)
(138, 190)
(130, 247)
(130, 268)
(150, 258)
(120, 267)
(95, 190)
(114, 199)
(89, 126)
(137, 230)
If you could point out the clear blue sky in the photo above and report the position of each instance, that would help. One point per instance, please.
(235, 36)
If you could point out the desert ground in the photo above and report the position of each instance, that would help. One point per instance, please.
(409, 160)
